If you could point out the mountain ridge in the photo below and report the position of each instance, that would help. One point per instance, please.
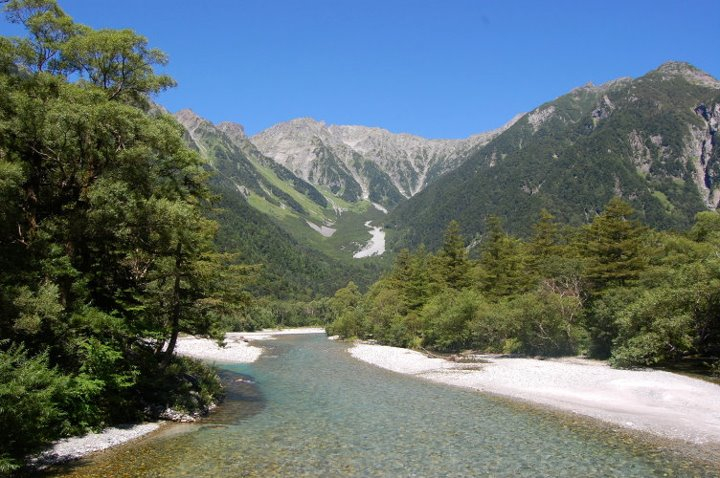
(651, 140)
(371, 162)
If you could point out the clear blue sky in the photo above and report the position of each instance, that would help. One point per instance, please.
(437, 68)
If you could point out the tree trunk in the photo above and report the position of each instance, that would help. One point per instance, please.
(175, 313)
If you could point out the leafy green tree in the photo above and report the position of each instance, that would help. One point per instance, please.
(118, 61)
(106, 251)
(48, 28)
(447, 317)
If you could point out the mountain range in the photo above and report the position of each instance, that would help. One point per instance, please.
(650, 140)
(359, 162)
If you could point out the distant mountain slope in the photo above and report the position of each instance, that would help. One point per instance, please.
(358, 162)
(652, 141)
(258, 198)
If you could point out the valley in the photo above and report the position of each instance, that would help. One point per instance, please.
(157, 262)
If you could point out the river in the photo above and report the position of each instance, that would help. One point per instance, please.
(312, 410)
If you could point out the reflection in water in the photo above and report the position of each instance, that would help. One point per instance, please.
(314, 411)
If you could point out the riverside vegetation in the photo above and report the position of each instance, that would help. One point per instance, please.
(106, 246)
(611, 289)
(117, 235)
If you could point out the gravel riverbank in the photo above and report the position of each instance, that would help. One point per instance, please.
(663, 403)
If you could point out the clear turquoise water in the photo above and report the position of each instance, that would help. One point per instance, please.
(315, 411)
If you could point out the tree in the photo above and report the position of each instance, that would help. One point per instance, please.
(452, 258)
(503, 263)
(118, 61)
(614, 247)
(106, 251)
(49, 28)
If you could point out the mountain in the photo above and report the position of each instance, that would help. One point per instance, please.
(262, 206)
(359, 162)
(652, 141)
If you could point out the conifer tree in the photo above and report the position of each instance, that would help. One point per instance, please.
(453, 260)
(503, 263)
(614, 247)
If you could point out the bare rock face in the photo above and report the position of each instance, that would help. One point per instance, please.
(235, 131)
(703, 151)
(306, 146)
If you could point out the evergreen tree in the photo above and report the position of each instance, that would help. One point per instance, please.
(614, 247)
(452, 258)
(615, 256)
(503, 263)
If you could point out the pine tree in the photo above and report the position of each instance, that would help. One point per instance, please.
(453, 259)
(503, 263)
(614, 247)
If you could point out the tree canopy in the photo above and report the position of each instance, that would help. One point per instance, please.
(610, 289)
(106, 249)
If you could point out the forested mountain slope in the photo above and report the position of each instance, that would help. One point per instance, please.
(651, 140)
(258, 203)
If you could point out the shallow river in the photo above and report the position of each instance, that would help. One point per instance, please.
(315, 411)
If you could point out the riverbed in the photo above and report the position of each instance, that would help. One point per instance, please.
(307, 408)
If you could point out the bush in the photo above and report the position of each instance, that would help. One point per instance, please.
(657, 327)
(30, 392)
(186, 384)
(448, 316)
(545, 323)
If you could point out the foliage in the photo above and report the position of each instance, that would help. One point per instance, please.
(30, 396)
(106, 249)
(613, 288)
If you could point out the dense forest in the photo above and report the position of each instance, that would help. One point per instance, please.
(106, 247)
(611, 289)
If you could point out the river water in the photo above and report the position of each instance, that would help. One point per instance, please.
(315, 411)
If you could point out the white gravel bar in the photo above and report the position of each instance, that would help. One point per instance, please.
(662, 403)
(238, 348)
(69, 449)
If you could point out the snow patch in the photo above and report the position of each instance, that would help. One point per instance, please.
(376, 244)
(379, 207)
(324, 230)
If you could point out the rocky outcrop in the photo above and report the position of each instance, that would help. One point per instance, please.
(704, 153)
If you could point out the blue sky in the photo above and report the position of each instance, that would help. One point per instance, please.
(436, 68)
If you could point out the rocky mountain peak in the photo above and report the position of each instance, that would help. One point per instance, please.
(235, 131)
(391, 164)
(688, 72)
(189, 119)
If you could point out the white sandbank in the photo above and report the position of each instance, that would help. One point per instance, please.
(658, 402)
(237, 347)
